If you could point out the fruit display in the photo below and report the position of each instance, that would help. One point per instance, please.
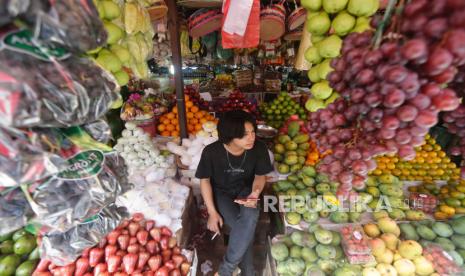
(195, 98)
(314, 252)
(329, 22)
(290, 148)
(355, 245)
(237, 100)
(139, 107)
(444, 262)
(307, 184)
(276, 112)
(450, 197)
(129, 42)
(393, 90)
(136, 246)
(169, 126)
(448, 235)
(388, 189)
(19, 253)
(424, 202)
(430, 163)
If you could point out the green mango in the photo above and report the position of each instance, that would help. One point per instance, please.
(9, 264)
(308, 181)
(26, 268)
(293, 129)
(292, 178)
(18, 234)
(445, 243)
(6, 237)
(6, 247)
(301, 138)
(309, 171)
(458, 240)
(283, 139)
(426, 233)
(442, 229)
(25, 245)
(408, 232)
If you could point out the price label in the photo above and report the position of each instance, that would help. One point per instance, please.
(358, 235)
(423, 196)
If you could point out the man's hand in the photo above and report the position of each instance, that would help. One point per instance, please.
(251, 200)
(215, 222)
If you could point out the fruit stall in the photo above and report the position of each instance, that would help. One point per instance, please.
(108, 104)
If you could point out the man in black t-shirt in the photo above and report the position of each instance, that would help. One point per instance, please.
(232, 176)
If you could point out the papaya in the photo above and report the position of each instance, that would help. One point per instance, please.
(293, 129)
(301, 138)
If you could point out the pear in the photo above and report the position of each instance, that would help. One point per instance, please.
(121, 77)
(312, 5)
(312, 55)
(330, 47)
(111, 9)
(115, 33)
(319, 23)
(343, 23)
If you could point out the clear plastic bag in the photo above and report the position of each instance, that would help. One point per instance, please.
(14, 210)
(64, 248)
(91, 182)
(99, 130)
(23, 160)
(49, 87)
(73, 24)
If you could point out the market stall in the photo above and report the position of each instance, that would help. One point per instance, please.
(107, 106)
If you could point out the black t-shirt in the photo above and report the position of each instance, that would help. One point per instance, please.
(235, 177)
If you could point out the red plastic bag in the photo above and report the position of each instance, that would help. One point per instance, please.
(251, 37)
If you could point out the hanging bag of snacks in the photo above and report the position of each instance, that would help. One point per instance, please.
(241, 24)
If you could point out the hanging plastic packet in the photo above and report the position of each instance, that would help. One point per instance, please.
(99, 130)
(73, 24)
(49, 87)
(91, 181)
(64, 248)
(14, 210)
(24, 159)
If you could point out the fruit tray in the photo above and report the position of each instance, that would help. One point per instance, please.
(443, 261)
(354, 240)
(424, 202)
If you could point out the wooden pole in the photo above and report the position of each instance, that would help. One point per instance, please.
(173, 27)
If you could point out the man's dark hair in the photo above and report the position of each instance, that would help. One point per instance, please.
(231, 125)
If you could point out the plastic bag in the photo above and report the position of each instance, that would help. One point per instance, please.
(23, 159)
(251, 37)
(91, 181)
(74, 24)
(49, 87)
(64, 248)
(14, 210)
(99, 130)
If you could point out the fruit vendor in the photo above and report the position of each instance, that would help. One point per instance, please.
(232, 176)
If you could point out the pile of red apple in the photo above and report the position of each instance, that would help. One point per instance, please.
(136, 247)
(237, 100)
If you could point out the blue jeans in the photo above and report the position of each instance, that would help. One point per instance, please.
(242, 221)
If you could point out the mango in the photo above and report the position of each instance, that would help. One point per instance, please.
(426, 233)
(442, 229)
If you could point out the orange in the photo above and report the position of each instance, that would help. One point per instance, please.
(190, 128)
(186, 98)
(165, 133)
(189, 104)
(198, 127)
(161, 128)
(194, 121)
(170, 127)
(174, 121)
(174, 110)
(177, 127)
(190, 115)
(170, 115)
(194, 109)
(174, 133)
(203, 121)
(166, 121)
(198, 115)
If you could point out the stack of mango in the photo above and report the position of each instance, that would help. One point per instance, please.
(431, 163)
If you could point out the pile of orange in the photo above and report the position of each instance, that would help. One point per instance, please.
(168, 124)
(430, 163)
